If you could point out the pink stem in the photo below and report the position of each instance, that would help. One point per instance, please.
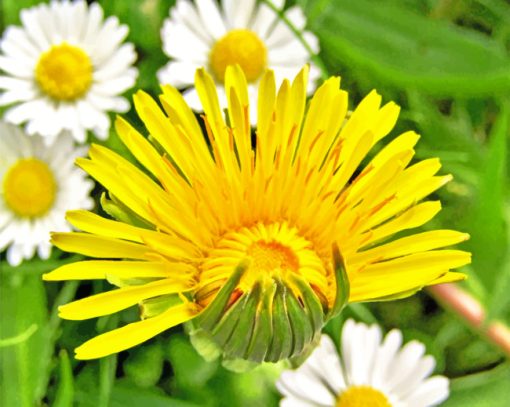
(471, 311)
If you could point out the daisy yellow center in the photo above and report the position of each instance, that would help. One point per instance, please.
(275, 251)
(242, 47)
(362, 396)
(29, 188)
(64, 72)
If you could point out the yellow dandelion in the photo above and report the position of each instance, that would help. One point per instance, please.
(257, 241)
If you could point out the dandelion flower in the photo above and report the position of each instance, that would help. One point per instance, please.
(370, 372)
(236, 234)
(64, 69)
(38, 184)
(201, 34)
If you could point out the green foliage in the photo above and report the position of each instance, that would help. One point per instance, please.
(447, 63)
(144, 366)
(488, 389)
(400, 47)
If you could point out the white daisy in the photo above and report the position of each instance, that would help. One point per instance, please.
(65, 69)
(369, 373)
(202, 34)
(38, 184)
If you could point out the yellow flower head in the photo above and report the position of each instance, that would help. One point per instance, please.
(256, 240)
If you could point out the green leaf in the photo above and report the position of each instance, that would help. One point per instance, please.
(392, 44)
(65, 390)
(487, 389)
(489, 240)
(25, 364)
(499, 305)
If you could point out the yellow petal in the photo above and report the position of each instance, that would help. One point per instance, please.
(99, 269)
(362, 117)
(182, 116)
(365, 288)
(115, 183)
(134, 333)
(98, 246)
(406, 198)
(403, 274)
(119, 299)
(450, 277)
(385, 120)
(266, 102)
(93, 223)
(420, 242)
(238, 113)
(411, 218)
(165, 133)
(418, 262)
(142, 149)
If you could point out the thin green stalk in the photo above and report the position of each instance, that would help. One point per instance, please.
(316, 59)
(65, 295)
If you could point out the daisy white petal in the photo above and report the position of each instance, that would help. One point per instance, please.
(38, 183)
(246, 33)
(432, 392)
(181, 74)
(63, 53)
(211, 17)
(368, 373)
(186, 12)
(238, 13)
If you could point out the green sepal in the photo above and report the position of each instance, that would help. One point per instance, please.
(281, 345)
(342, 284)
(154, 306)
(301, 325)
(237, 345)
(263, 329)
(297, 360)
(312, 305)
(117, 210)
(127, 282)
(210, 316)
(224, 329)
(203, 342)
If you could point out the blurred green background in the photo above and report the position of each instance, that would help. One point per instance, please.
(447, 63)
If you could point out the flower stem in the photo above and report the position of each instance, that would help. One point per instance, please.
(472, 313)
(316, 59)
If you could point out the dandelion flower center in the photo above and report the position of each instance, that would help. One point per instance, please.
(269, 257)
(64, 72)
(362, 396)
(242, 47)
(29, 188)
(275, 252)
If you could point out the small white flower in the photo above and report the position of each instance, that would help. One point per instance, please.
(65, 69)
(201, 34)
(38, 184)
(368, 373)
